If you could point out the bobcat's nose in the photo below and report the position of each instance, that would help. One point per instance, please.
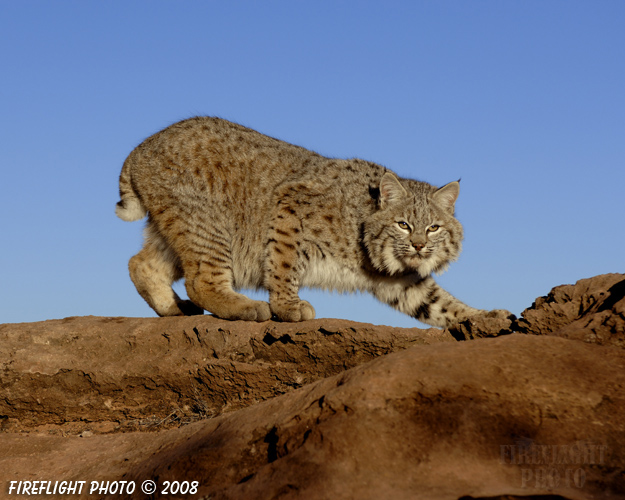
(418, 246)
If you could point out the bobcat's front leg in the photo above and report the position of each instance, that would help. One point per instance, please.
(284, 266)
(425, 300)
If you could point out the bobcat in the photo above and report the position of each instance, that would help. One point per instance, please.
(230, 208)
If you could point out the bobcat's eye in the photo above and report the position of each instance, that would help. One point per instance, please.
(404, 225)
(433, 227)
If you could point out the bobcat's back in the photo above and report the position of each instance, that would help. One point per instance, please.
(217, 180)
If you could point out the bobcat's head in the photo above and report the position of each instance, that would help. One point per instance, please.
(414, 228)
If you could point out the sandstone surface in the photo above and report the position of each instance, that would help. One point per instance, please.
(326, 408)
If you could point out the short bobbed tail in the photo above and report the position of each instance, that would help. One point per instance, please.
(129, 208)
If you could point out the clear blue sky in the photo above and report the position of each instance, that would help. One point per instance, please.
(524, 100)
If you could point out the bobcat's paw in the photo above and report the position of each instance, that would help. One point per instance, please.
(484, 324)
(256, 310)
(293, 311)
(500, 314)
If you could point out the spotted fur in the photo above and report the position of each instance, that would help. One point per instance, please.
(229, 208)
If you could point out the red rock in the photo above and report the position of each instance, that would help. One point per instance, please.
(429, 419)
(324, 409)
(592, 310)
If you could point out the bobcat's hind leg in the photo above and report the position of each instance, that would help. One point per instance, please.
(153, 270)
(207, 267)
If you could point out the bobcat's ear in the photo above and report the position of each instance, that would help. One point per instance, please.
(390, 190)
(446, 196)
